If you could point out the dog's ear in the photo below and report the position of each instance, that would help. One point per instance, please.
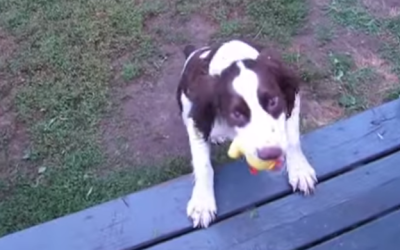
(200, 88)
(287, 79)
(189, 49)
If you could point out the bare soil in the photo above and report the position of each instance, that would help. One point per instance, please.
(320, 102)
(147, 127)
(13, 137)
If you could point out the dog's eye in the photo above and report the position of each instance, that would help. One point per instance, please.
(238, 117)
(270, 103)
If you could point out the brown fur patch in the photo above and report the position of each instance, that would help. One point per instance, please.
(286, 79)
(199, 87)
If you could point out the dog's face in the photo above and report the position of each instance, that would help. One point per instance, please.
(255, 98)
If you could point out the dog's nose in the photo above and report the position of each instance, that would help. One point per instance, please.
(270, 153)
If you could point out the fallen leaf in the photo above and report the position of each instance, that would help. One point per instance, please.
(89, 192)
(41, 170)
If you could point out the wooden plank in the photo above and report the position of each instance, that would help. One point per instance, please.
(154, 214)
(293, 222)
(380, 234)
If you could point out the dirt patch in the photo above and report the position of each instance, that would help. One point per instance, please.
(321, 104)
(13, 136)
(148, 126)
(377, 89)
(319, 113)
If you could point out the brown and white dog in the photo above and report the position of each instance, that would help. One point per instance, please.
(239, 90)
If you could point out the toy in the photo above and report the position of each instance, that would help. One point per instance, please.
(255, 164)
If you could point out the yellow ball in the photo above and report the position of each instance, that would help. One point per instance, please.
(235, 151)
(260, 164)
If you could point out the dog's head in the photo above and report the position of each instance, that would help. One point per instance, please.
(255, 97)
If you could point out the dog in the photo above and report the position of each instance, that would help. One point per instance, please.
(239, 89)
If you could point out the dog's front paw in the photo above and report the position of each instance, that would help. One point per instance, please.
(302, 176)
(202, 208)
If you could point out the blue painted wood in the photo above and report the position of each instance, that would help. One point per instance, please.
(294, 222)
(380, 234)
(157, 213)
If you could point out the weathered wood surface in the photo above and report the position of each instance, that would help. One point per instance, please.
(381, 234)
(294, 222)
(145, 218)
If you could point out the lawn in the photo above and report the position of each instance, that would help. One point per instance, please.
(87, 107)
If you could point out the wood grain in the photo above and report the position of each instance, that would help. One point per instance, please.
(294, 222)
(383, 233)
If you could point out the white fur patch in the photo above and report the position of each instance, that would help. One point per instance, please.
(263, 130)
(230, 52)
(205, 54)
(186, 106)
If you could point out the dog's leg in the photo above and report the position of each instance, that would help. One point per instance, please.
(301, 174)
(202, 207)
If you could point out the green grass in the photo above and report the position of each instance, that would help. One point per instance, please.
(393, 26)
(56, 193)
(391, 53)
(277, 20)
(393, 94)
(230, 28)
(64, 54)
(390, 49)
(352, 81)
(352, 14)
(65, 58)
(131, 71)
(263, 20)
(352, 98)
(341, 64)
(184, 8)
